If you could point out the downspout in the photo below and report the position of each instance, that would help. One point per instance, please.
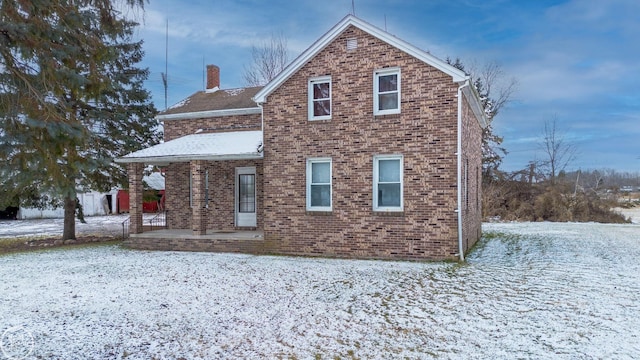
(261, 124)
(459, 170)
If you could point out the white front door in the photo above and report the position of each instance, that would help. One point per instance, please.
(246, 197)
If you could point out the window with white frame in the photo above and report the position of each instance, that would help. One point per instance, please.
(386, 91)
(320, 98)
(387, 183)
(319, 184)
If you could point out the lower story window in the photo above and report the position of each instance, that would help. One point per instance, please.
(319, 184)
(247, 193)
(387, 183)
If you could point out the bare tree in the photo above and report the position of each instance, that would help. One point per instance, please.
(268, 59)
(496, 90)
(558, 150)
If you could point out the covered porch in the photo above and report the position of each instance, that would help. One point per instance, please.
(199, 163)
(240, 241)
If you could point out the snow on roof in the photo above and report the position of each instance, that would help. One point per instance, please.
(204, 146)
(234, 92)
(213, 101)
(180, 103)
(155, 181)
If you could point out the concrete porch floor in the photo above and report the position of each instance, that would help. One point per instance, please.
(236, 241)
(211, 234)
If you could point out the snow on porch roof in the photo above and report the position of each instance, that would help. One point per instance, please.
(205, 146)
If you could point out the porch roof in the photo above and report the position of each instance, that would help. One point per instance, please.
(235, 145)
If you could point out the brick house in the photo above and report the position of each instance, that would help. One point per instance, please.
(364, 146)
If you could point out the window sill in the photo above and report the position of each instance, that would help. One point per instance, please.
(389, 114)
(319, 213)
(399, 213)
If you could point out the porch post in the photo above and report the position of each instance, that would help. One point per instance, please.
(135, 172)
(199, 210)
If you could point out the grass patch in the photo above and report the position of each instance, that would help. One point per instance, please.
(36, 243)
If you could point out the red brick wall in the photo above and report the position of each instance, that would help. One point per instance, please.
(220, 213)
(176, 128)
(472, 159)
(424, 133)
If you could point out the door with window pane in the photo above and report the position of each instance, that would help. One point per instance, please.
(245, 198)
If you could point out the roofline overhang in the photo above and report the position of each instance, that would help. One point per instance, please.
(456, 74)
(209, 113)
(163, 160)
(474, 100)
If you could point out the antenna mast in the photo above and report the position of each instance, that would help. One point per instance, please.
(165, 76)
(353, 7)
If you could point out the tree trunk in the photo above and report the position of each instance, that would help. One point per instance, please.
(69, 232)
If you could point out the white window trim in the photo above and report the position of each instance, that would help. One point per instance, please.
(309, 178)
(321, 79)
(376, 160)
(376, 83)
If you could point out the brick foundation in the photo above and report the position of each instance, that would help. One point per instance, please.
(206, 245)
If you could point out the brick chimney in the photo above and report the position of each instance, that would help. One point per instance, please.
(213, 77)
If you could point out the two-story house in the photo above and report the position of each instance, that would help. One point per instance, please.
(364, 146)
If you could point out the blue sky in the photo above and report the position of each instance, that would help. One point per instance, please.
(575, 60)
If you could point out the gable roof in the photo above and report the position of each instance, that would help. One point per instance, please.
(214, 103)
(334, 32)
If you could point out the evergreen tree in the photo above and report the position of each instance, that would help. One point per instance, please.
(494, 93)
(71, 98)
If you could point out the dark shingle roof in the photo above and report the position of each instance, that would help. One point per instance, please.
(228, 99)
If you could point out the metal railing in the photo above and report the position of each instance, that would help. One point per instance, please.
(125, 228)
(159, 221)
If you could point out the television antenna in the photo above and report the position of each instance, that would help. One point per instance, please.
(165, 74)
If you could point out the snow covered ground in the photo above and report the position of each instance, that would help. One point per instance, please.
(633, 214)
(103, 225)
(529, 290)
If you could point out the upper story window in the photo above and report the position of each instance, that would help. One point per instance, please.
(320, 98)
(386, 91)
(387, 183)
(319, 184)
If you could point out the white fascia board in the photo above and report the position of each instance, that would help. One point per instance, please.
(456, 74)
(186, 158)
(210, 113)
(302, 59)
(473, 98)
